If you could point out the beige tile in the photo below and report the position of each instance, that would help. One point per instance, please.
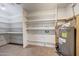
(17, 50)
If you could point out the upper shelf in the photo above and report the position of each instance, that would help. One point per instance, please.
(40, 28)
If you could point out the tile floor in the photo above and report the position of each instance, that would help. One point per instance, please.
(18, 50)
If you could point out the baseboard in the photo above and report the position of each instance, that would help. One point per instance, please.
(16, 44)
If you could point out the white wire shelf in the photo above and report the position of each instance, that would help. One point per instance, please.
(40, 28)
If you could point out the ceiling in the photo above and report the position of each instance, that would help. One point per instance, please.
(31, 7)
(9, 10)
(14, 9)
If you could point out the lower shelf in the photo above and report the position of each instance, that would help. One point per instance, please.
(47, 44)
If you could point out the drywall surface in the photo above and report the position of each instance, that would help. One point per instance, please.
(16, 26)
(61, 13)
(16, 38)
(76, 9)
(3, 40)
(4, 27)
(68, 12)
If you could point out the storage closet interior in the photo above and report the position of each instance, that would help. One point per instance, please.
(42, 20)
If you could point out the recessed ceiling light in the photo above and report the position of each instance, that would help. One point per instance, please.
(3, 8)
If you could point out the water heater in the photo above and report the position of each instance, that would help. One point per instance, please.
(67, 41)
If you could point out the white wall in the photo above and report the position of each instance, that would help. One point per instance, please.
(62, 13)
(16, 26)
(76, 9)
(67, 12)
